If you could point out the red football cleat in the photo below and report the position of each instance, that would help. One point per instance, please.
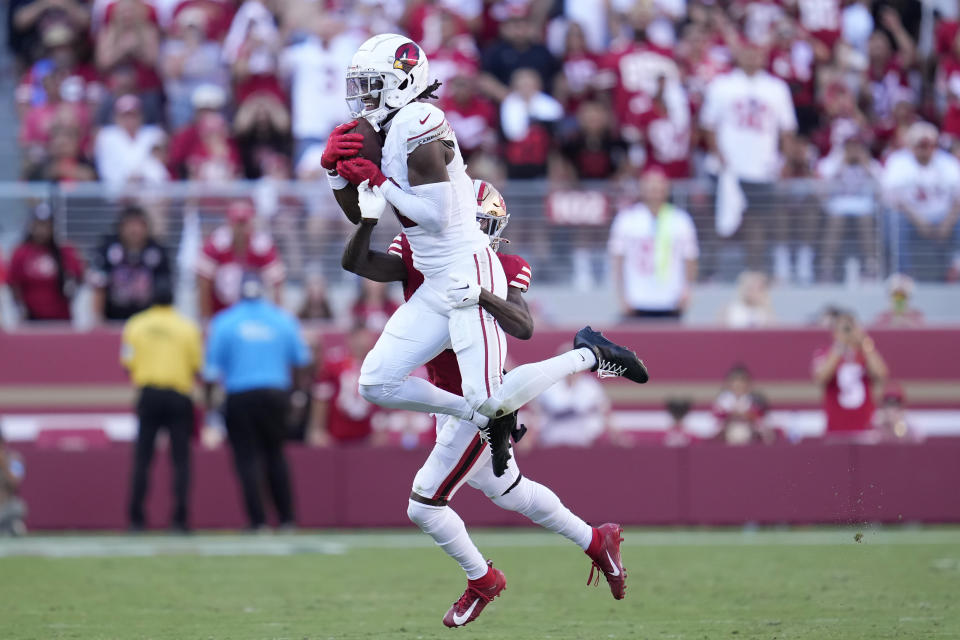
(605, 553)
(478, 594)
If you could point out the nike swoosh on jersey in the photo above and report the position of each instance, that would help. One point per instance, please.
(425, 118)
(459, 620)
(614, 572)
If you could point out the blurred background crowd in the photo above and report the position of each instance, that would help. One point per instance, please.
(145, 92)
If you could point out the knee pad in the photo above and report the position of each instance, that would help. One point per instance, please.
(422, 515)
(377, 393)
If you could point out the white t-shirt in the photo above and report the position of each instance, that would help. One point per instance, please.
(574, 412)
(120, 158)
(318, 87)
(929, 190)
(434, 253)
(747, 114)
(653, 282)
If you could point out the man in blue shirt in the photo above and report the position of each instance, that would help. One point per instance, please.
(255, 350)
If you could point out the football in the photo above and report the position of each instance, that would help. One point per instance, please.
(372, 142)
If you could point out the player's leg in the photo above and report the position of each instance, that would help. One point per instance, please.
(526, 382)
(453, 459)
(414, 335)
(476, 337)
(592, 351)
(514, 492)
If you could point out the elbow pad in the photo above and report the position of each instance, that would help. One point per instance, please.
(428, 205)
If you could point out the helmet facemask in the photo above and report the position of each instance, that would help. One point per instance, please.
(493, 225)
(491, 212)
(366, 96)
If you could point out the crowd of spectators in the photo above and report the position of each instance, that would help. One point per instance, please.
(147, 91)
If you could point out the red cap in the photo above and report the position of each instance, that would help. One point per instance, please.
(240, 211)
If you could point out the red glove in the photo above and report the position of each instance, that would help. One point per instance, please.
(341, 145)
(356, 170)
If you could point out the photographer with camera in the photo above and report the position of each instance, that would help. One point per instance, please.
(847, 372)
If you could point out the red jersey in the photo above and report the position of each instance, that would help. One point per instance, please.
(444, 371)
(219, 263)
(666, 139)
(474, 122)
(33, 272)
(349, 416)
(847, 401)
(637, 68)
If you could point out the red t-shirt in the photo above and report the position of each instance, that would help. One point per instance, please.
(349, 416)
(847, 398)
(33, 271)
(444, 370)
(219, 263)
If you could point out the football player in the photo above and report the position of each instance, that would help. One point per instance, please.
(434, 199)
(459, 455)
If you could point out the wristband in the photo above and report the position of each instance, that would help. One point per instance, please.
(336, 181)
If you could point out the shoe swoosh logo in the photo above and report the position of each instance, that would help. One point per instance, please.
(425, 119)
(615, 572)
(459, 620)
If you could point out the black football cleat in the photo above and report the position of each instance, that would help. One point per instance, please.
(497, 433)
(612, 359)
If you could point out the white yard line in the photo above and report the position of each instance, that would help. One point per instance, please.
(94, 545)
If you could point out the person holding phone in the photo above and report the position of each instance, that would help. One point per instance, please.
(847, 371)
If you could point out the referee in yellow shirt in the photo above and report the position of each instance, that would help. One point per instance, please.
(162, 350)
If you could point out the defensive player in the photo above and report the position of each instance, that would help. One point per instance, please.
(434, 198)
(459, 455)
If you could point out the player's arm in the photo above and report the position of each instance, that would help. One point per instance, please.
(379, 266)
(513, 314)
(427, 203)
(346, 197)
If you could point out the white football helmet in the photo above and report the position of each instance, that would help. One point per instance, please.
(491, 212)
(387, 72)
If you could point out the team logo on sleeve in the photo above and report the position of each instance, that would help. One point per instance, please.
(406, 57)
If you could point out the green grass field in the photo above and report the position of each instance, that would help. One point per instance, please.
(814, 584)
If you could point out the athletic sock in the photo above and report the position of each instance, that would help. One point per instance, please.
(528, 381)
(485, 581)
(448, 531)
(594, 547)
(543, 507)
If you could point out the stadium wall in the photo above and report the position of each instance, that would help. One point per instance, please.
(703, 484)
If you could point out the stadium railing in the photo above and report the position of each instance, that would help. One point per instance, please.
(561, 229)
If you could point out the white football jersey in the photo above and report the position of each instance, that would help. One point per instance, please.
(747, 115)
(433, 253)
(930, 190)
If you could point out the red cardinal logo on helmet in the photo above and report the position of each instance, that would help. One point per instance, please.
(406, 57)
